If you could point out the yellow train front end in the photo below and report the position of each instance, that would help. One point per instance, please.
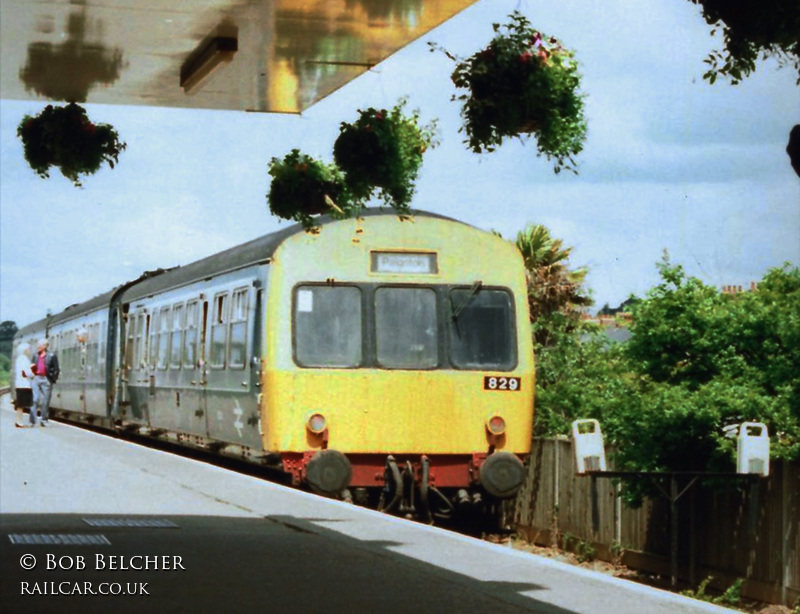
(399, 362)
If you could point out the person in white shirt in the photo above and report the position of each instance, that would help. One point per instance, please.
(23, 393)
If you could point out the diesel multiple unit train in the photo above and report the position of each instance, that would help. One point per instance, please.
(386, 360)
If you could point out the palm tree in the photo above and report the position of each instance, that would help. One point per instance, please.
(554, 291)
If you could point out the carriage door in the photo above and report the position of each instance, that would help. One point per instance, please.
(193, 408)
(138, 384)
(82, 336)
(128, 332)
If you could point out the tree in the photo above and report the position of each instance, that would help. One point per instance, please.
(5, 370)
(719, 359)
(698, 360)
(770, 28)
(7, 331)
(580, 374)
(679, 331)
(555, 293)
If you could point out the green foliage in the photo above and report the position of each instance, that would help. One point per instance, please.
(64, 137)
(555, 292)
(735, 357)
(582, 374)
(303, 186)
(770, 28)
(680, 330)
(382, 150)
(523, 82)
(5, 370)
(584, 550)
(731, 597)
(698, 360)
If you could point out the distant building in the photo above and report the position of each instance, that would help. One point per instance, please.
(614, 321)
(738, 289)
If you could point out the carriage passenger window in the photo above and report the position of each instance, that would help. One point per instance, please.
(103, 329)
(327, 326)
(97, 344)
(405, 328)
(237, 353)
(153, 340)
(177, 337)
(219, 331)
(482, 332)
(164, 323)
(91, 348)
(190, 336)
(69, 352)
(139, 342)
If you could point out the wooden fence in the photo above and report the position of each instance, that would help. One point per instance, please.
(745, 529)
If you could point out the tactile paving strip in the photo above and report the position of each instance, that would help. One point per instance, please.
(150, 523)
(58, 539)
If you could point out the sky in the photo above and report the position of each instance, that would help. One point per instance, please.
(670, 163)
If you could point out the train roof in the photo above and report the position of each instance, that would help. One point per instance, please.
(257, 251)
(253, 252)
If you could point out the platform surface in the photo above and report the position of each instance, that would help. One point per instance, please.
(83, 514)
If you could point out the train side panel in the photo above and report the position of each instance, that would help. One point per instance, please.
(80, 342)
(81, 348)
(190, 363)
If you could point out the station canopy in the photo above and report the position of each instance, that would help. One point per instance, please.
(274, 56)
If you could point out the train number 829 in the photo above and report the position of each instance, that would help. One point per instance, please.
(492, 382)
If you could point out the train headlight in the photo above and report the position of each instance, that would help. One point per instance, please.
(316, 423)
(496, 425)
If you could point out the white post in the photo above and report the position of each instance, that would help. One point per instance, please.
(589, 450)
(752, 449)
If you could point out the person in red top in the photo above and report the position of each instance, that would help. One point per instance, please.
(46, 371)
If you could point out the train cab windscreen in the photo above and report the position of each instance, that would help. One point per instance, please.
(406, 328)
(482, 334)
(327, 326)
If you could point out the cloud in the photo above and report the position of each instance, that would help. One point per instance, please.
(670, 162)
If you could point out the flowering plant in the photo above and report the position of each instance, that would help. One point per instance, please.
(382, 150)
(522, 82)
(302, 187)
(65, 137)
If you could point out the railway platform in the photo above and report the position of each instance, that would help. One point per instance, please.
(89, 522)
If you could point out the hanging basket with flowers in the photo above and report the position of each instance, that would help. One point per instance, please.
(303, 187)
(64, 137)
(382, 152)
(523, 82)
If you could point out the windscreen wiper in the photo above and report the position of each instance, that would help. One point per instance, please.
(472, 292)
